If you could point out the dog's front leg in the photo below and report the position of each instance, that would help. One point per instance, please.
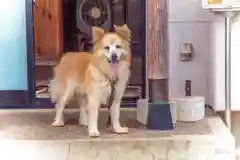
(93, 111)
(115, 108)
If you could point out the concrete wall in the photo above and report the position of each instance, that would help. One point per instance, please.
(188, 22)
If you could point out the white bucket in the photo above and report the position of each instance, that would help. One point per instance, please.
(187, 109)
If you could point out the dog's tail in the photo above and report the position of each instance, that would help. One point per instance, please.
(53, 90)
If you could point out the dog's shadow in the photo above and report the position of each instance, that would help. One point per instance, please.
(71, 121)
(130, 123)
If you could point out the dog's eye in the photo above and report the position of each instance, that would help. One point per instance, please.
(118, 46)
(106, 48)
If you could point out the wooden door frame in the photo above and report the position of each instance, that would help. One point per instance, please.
(48, 14)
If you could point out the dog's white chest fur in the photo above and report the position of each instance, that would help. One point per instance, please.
(101, 85)
(102, 89)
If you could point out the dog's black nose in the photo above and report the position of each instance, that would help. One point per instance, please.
(114, 58)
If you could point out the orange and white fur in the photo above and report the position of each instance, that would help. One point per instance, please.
(87, 77)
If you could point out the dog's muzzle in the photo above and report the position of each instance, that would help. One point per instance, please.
(114, 58)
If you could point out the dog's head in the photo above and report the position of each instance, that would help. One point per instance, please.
(114, 46)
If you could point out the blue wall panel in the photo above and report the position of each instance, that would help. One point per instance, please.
(13, 46)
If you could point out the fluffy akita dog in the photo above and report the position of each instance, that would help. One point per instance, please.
(89, 76)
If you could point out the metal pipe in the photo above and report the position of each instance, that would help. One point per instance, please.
(228, 71)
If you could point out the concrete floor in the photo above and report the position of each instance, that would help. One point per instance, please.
(235, 127)
(30, 136)
(32, 131)
(235, 130)
(37, 126)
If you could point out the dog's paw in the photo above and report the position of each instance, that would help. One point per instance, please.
(82, 122)
(93, 133)
(57, 123)
(121, 130)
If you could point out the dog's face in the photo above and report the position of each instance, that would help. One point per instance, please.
(113, 46)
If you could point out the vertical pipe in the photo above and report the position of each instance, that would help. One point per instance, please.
(228, 71)
(146, 52)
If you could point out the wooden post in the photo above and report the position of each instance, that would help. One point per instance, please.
(157, 49)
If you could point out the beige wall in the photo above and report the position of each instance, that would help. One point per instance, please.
(189, 23)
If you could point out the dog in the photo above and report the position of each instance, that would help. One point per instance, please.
(88, 77)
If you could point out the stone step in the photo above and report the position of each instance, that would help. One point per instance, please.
(28, 135)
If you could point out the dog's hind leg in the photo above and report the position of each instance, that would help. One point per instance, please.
(83, 117)
(61, 104)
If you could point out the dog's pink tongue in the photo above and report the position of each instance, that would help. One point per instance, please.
(113, 68)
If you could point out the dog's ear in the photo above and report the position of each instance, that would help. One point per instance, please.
(123, 31)
(97, 34)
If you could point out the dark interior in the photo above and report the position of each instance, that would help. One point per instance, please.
(80, 15)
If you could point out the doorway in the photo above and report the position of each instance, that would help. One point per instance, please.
(61, 26)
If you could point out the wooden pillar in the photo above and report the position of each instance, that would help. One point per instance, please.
(157, 49)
